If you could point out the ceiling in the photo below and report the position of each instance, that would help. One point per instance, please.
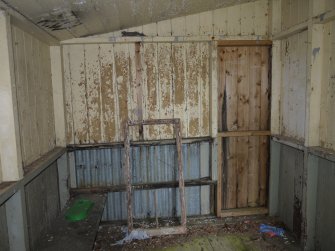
(65, 19)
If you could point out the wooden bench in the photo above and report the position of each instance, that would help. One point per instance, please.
(64, 235)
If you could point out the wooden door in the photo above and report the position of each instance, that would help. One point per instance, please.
(243, 117)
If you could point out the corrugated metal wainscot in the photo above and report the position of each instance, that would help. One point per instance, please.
(150, 163)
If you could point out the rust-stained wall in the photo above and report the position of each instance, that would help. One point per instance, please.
(34, 95)
(105, 84)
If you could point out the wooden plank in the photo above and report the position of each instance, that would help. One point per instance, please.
(94, 111)
(58, 94)
(79, 93)
(164, 231)
(231, 124)
(178, 26)
(219, 188)
(192, 25)
(220, 20)
(127, 177)
(177, 130)
(235, 43)
(180, 87)
(74, 235)
(108, 93)
(133, 105)
(242, 124)
(254, 124)
(151, 91)
(30, 82)
(264, 125)
(204, 90)
(121, 57)
(234, 20)
(243, 133)
(22, 92)
(69, 130)
(221, 87)
(206, 23)
(166, 87)
(193, 67)
(247, 19)
(164, 28)
(244, 212)
(261, 18)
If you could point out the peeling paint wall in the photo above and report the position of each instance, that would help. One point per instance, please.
(105, 84)
(327, 119)
(34, 95)
(248, 19)
(294, 84)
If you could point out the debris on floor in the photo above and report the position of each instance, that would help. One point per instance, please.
(204, 234)
(271, 231)
(134, 235)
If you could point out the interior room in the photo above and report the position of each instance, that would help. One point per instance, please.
(167, 125)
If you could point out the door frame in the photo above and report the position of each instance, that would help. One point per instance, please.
(223, 134)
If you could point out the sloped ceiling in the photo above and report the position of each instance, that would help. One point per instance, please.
(65, 19)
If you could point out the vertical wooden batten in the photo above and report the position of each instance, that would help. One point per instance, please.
(10, 148)
(58, 94)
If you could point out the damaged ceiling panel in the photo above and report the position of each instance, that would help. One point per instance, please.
(65, 19)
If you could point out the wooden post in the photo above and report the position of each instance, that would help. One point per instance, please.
(181, 177)
(10, 147)
(177, 130)
(127, 169)
(219, 184)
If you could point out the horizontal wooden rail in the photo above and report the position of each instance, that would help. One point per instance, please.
(154, 122)
(243, 133)
(143, 186)
(244, 211)
(244, 43)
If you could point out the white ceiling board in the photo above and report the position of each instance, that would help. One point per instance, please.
(102, 16)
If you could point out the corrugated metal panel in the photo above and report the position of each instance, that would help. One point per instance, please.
(290, 187)
(101, 167)
(4, 242)
(325, 234)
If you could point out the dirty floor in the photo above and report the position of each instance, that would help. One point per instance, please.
(204, 234)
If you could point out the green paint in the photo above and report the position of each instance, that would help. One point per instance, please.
(79, 210)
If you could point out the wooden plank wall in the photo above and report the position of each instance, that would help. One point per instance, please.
(295, 12)
(327, 118)
(322, 6)
(105, 84)
(34, 95)
(294, 84)
(244, 105)
(42, 202)
(4, 242)
(246, 19)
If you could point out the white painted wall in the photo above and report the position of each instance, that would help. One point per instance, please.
(32, 66)
(10, 150)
